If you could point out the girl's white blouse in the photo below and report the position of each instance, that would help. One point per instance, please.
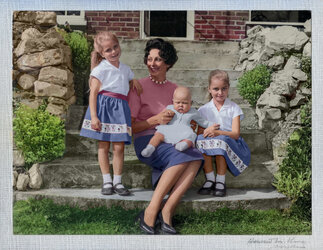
(224, 116)
(113, 79)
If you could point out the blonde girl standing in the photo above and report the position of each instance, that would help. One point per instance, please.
(225, 144)
(108, 118)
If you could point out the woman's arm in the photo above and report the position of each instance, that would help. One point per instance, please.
(95, 85)
(234, 134)
(163, 117)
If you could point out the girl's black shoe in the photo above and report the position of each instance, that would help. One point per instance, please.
(165, 228)
(143, 226)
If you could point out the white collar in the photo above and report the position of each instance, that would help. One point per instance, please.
(226, 104)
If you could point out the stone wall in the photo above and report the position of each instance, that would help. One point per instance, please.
(278, 108)
(42, 62)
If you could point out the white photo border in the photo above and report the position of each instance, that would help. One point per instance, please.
(10, 241)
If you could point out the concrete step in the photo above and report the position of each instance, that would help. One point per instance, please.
(236, 199)
(83, 171)
(214, 48)
(76, 144)
(191, 54)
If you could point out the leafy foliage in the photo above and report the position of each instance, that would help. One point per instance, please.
(40, 135)
(253, 83)
(294, 176)
(81, 48)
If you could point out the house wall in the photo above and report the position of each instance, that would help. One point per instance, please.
(124, 24)
(209, 25)
(220, 25)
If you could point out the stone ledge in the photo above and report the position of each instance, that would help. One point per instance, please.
(236, 199)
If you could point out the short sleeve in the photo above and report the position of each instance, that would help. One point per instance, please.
(97, 73)
(134, 103)
(237, 111)
(131, 75)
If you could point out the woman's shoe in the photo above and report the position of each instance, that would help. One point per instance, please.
(220, 192)
(165, 228)
(208, 190)
(143, 226)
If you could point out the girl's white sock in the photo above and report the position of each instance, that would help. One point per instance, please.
(148, 150)
(210, 177)
(107, 178)
(116, 180)
(220, 178)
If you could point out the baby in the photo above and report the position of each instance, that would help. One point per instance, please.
(178, 131)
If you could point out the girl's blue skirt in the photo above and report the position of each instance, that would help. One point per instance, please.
(164, 157)
(235, 152)
(114, 114)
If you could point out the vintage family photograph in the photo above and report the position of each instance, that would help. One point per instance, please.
(163, 123)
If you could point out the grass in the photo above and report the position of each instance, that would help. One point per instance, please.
(45, 217)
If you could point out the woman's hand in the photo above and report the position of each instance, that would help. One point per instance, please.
(135, 84)
(212, 131)
(96, 124)
(165, 116)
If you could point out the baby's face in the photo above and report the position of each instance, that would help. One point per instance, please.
(182, 102)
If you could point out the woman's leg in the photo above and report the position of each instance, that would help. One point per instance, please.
(181, 186)
(166, 182)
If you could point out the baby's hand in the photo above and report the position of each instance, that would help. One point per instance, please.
(96, 124)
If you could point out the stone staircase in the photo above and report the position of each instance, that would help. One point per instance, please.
(75, 179)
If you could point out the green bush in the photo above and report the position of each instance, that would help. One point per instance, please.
(40, 135)
(294, 176)
(81, 48)
(253, 83)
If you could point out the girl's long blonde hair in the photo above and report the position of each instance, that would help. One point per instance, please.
(96, 56)
(102, 36)
(219, 75)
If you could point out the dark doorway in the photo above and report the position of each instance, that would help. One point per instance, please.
(166, 23)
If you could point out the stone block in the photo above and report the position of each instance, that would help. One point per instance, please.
(55, 109)
(56, 76)
(26, 81)
(41, 59)
(36, 180)
(18, 158)
(45, 18)
(22, 182)
(48, 89)
(285, 38)
(307, 51)
(31, 33)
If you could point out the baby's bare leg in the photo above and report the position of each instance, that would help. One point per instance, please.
(152, 145)
(183, 145)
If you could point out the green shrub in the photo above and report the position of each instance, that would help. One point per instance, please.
(81, 48)
(294, 176)
(40, 135)
(253, 83)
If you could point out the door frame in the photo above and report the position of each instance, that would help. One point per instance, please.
(189, 28)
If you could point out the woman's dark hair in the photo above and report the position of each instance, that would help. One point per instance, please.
(166, 51)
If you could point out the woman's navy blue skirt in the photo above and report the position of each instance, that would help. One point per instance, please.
(164, 157)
